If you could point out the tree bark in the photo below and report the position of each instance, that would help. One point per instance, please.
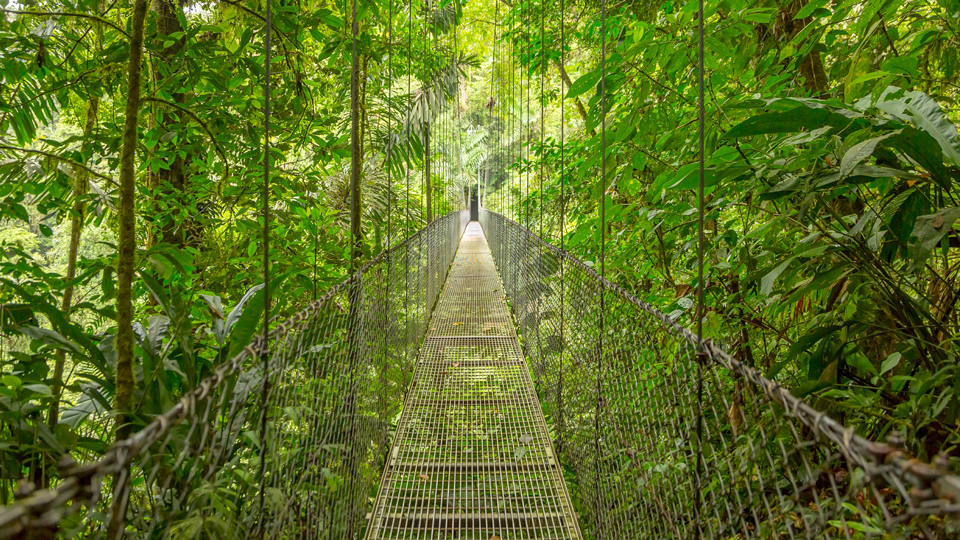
(811, 66)
(127, 240)
(169, 184)
(356, 159)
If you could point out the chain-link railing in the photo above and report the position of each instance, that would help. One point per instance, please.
(670, 437)
(337, 372)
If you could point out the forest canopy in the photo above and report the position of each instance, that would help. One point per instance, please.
(131, 215)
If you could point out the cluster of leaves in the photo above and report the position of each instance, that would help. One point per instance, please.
(831, 183)
(199, 199)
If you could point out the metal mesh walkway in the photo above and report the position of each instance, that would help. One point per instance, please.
(473, 458)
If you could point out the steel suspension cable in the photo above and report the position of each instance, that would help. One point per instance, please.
(493, 89)
(456, 102)
(388, 155)
(543, 122)
(563, 211)
(407, 162)
(701, 358)
(603, 242)
(526, 126)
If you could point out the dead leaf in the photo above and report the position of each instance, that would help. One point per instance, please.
(494, 537)
(456, 364)
(458, 323)
(424, 477)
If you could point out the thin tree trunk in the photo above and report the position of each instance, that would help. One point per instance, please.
(81, 178)
(127, 240)
(576, 100)
(355, 290)
(170, 183)
(356, 158)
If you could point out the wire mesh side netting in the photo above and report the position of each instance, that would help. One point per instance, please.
(338, 372)
(627, 391)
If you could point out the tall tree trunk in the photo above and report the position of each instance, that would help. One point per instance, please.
(356, 157)
(127, 241)
(811, 66)
(80, 187)
(169, 184)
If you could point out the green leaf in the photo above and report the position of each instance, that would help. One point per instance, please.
(37, 388)
(798, 119)
(808, 9)
(50, 337)
(585, 82)
(236, 312)
(758, 15)
(924, 150)
(767, 281)
(246, 325)
(890, 362)
(861, 151)
(904, 65)
(13, 315)
(928, 231)
(924, 113)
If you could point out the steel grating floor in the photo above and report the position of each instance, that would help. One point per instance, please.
(472, 458)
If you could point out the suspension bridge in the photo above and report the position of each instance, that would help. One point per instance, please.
(476, 382)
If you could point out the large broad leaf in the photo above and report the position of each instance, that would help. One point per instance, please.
(235, 314)
(157, 329)
(14, 315)
(861, 151)
(584, 83)
(50, 337)
(246, 324)
(215, 305)
(86, 406)
(924, 151)
(928, 231)
(802, 118)
(923, 112)
(900, 215)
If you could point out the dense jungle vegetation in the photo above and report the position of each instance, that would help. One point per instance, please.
(130, 198)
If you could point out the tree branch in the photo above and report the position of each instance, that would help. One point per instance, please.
(60, 159)
(216, 146)
(65, 14)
